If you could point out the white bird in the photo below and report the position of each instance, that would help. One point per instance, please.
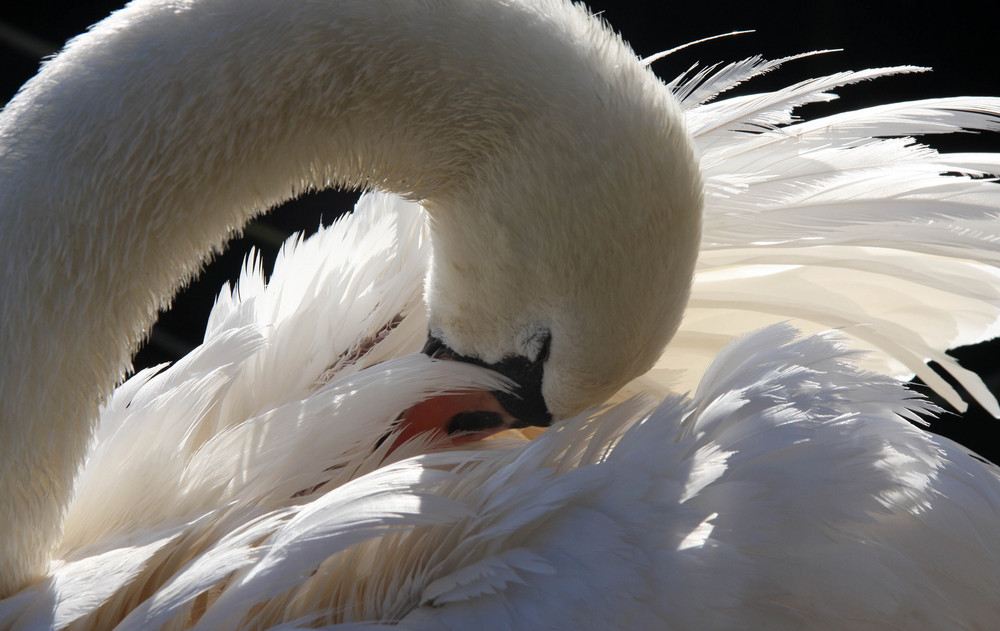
(249, 484)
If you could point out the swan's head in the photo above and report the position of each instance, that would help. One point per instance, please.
(567, 272)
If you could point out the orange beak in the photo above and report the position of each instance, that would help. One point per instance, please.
(464, 416)
(460, 416)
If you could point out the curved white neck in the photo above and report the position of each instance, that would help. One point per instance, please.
(151, 139)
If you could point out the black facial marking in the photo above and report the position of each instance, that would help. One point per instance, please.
(526, 402)
(436, 349)
(477, 421)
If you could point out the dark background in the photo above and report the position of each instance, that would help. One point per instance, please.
(957, 39)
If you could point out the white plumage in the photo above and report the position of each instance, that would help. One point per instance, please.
(821, 222)
(248, 484)
(787, 490)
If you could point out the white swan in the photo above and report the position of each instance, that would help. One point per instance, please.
(240, 508)
(146, 157)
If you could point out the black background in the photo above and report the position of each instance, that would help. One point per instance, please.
(958, 40)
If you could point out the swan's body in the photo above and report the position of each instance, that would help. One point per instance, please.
(748, 505)
(247, 487)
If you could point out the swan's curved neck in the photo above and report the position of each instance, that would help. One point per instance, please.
(151, 139)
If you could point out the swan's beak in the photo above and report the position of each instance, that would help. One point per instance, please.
(461, 417)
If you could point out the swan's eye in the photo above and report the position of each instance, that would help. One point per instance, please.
(534, 344)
